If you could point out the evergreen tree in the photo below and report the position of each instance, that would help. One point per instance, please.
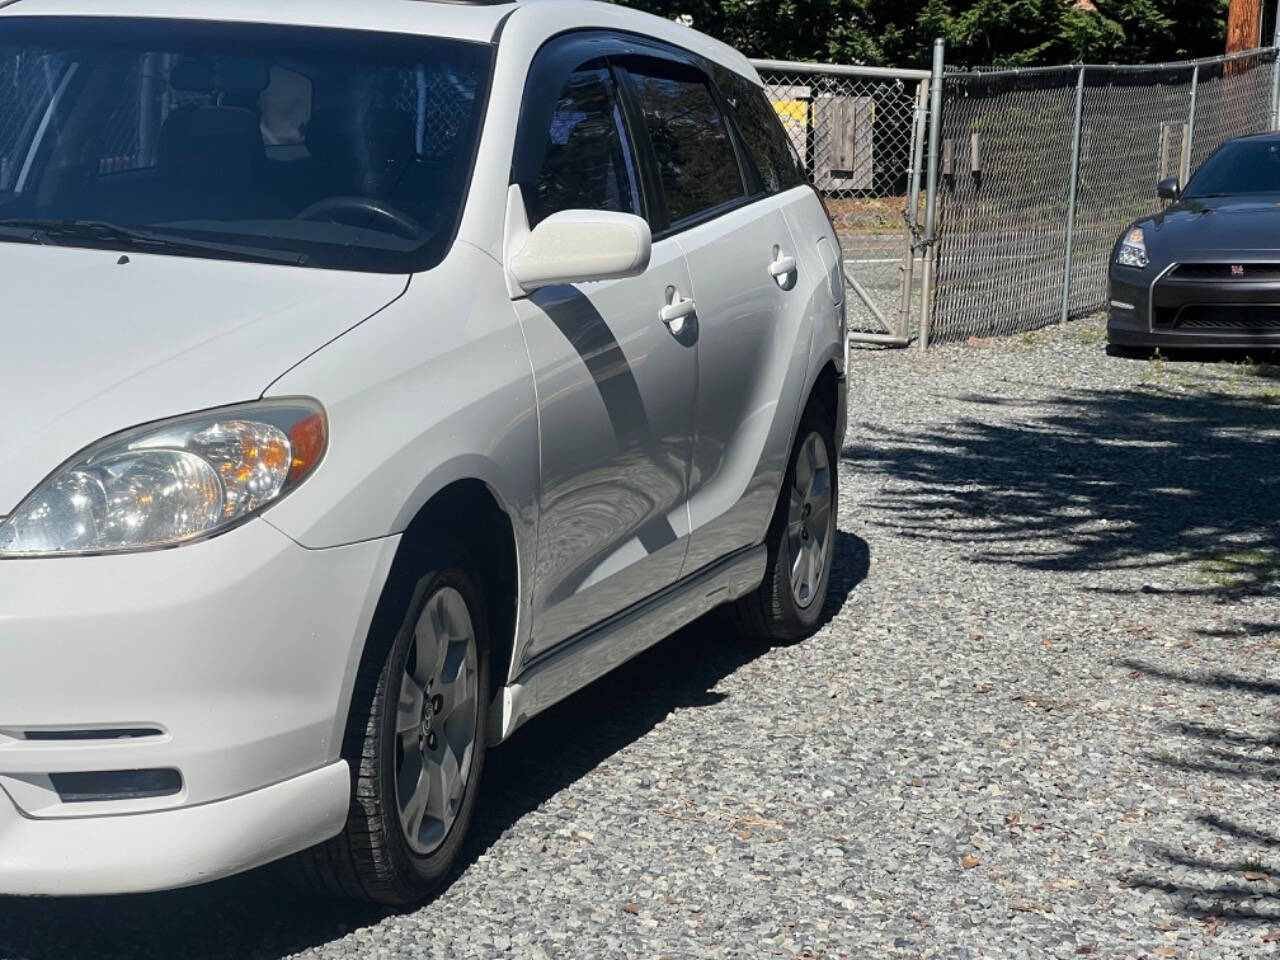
(978, 32)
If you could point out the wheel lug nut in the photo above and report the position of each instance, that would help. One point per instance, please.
(431, 741)
(437, 703)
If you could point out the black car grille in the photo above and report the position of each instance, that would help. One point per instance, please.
(1195, 316)
(1223, 271)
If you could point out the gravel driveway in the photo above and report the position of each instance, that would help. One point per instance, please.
(1043, 720)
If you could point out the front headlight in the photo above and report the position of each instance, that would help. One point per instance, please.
(170, 482)
(1133, 250)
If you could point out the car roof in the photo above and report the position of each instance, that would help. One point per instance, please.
(1264, 135)
(477, 21)
(464, 21)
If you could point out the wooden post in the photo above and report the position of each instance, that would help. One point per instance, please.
(1244, 25)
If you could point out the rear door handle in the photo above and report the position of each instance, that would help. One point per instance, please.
(782, 268)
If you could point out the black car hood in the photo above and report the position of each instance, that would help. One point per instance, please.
(1219, 224)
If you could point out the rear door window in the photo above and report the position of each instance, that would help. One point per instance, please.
(767, 142)
(697, 163)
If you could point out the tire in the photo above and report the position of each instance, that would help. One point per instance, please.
(374, 859)
(779, 610)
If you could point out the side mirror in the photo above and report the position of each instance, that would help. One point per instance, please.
(1169, 189)
(577, 246)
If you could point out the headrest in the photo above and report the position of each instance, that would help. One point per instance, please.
(211, 146)
(192, 76)
(238, 79)
(242, 80)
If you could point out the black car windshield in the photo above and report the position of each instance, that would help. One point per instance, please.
(340, 149)
(1244, 166)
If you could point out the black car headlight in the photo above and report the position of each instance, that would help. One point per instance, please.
(1133, 250)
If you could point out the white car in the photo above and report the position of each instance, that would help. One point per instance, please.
(372, 377)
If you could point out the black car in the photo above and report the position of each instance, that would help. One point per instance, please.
(1205, 272)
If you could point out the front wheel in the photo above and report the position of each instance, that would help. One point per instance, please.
(416, 743)
(801, 541)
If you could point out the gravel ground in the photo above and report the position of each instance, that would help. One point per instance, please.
(1042, 721)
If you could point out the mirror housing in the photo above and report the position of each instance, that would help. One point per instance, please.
(1169, 189)
(578, 246)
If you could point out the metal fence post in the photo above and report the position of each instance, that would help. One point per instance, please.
(913, 209)
(1073, 190)
(1185, 172)
(1275, 73)
(931, 190)
(1275, 92)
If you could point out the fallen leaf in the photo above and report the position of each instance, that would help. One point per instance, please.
(744, 834)
(1272, 937)
(1165, 952)
(1029, 906)
(915, 782)
(1254, 875)
(1013, 818)
(1081, 951)
(970, 861)
(631, 908)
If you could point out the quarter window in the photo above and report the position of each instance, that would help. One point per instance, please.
(695, 156)
(587, 162)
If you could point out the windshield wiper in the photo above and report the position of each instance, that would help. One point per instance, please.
(73, 232)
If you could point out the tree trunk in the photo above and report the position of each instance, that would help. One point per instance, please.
(1243, 25)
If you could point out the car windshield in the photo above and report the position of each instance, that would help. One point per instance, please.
(1245, 166)
(338, 149)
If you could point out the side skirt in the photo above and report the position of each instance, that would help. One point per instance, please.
(580, 660)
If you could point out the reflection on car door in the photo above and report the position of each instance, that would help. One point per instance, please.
(616, 386)
(743, 260)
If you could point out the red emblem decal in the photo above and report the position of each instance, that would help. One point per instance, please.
(1237, 270)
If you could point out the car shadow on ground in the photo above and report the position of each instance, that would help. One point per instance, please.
(263, 915)
(1233, 880)
(1147, 478)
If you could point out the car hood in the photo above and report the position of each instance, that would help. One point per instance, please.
(92, 342)
(1219, 225)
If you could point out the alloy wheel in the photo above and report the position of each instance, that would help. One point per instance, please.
(809, 525)
(436, 721)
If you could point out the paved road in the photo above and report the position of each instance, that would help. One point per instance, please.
(1042, 720)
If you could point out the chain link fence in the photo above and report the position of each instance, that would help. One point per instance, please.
(1035, 173)
(858, 131)
(1022, 243)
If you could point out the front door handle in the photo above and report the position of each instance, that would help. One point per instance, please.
(677, 311)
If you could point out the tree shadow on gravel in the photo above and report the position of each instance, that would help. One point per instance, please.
(1095, 480)
(1237, 879)
(262, 915)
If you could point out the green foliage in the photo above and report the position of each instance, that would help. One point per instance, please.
(978, 32)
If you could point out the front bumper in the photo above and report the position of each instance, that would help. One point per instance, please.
(1172, 311)
(91, 856)
(138, 686)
